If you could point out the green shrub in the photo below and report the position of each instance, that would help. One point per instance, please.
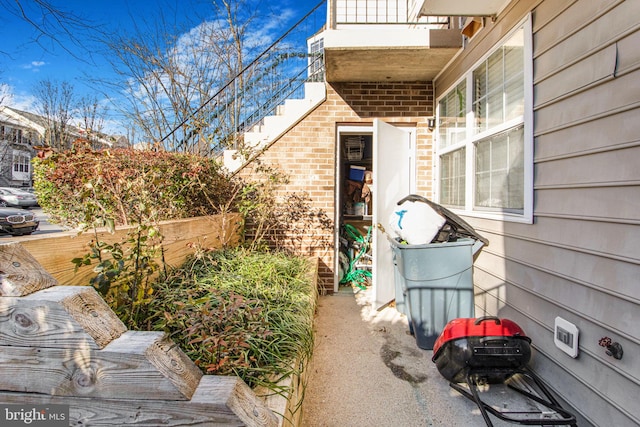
(80, 187)
(239, 312)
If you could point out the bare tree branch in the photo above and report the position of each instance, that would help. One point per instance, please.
(53, 26)
(56, 102)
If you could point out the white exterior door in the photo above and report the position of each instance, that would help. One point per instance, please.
(393, 179)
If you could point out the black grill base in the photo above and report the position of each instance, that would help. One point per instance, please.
(476, 376)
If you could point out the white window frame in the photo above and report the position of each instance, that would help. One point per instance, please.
(20, 160)
(471, 139)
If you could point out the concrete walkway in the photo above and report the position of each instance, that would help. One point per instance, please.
(368, 371)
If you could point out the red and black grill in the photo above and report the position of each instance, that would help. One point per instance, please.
(492, 350)
(491, 344)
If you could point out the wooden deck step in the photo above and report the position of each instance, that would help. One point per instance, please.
(137, 365)
(218, 401)
(59, 317)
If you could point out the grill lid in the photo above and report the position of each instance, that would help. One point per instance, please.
(481, 327)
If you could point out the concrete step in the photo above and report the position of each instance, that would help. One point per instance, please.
(272, 127)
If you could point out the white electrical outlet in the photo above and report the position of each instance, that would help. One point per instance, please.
(565, 336)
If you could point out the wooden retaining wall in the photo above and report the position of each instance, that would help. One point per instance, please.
(54, 252)
(62, 344)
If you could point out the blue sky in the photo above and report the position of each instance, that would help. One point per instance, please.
(27, 57)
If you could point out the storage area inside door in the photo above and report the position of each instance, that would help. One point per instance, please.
(355, 207)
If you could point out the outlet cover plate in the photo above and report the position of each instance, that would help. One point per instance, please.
(565, 336)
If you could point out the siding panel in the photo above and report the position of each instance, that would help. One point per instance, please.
(591, 104)
(613, 131)
(628, 52)
(609, 167)
(580, 258)
(603, 32)
(582, 74)
(596, 272)
(619, 204)
(578, 16)
(548, 290)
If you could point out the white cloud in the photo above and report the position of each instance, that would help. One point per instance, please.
(21, 101)
(34, 66)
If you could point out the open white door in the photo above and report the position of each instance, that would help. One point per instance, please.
(393, 168)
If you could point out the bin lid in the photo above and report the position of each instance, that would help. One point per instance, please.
(460, 226)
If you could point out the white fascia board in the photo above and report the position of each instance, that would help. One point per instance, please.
(374, 37)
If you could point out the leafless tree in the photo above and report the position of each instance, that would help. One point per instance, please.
(173, 83)
(92, 114)
(3, 92)
(52, 25)
(55, 102)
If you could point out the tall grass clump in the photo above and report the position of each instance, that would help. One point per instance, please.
(240, 312)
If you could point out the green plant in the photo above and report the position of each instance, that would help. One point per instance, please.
(244, 312)
(79, 186)
(125, 271)
(91, 189)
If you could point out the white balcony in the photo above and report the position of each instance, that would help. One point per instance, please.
(387, 40)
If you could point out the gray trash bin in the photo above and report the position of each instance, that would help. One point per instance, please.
(434, 281)
(434, 285)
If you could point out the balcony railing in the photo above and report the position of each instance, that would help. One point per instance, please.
(370, 12)
(256, 91)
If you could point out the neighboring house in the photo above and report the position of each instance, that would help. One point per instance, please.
(20, 132)
(17, 139)
(535, 143)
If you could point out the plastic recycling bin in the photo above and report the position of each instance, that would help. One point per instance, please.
(434, 285)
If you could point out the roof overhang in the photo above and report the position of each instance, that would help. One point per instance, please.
(462, 7)
(376, 54)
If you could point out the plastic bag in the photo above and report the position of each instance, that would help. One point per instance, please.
(416, 223)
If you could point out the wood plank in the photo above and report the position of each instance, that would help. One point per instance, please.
(163, 354)
(59, 317)
(218, 401)
(20, 272)
(138, 365)
(181, 237)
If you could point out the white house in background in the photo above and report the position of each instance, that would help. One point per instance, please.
(20, 132)
(18, 136)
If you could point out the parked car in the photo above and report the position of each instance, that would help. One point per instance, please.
(18, 222)
(15, 197)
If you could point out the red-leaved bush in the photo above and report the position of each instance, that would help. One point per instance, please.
(125, 186)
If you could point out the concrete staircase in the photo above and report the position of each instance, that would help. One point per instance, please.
(271, 128)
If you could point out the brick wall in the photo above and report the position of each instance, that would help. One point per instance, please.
(307, 152)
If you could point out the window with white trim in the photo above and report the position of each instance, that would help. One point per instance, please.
(21, 161)
(485, 142)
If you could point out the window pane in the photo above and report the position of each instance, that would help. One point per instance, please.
(499, 85)
(495, 111)
(514, 97)
(452, 118)
(452, 178)
(496, 142)
(500, 172)
(479, 97)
